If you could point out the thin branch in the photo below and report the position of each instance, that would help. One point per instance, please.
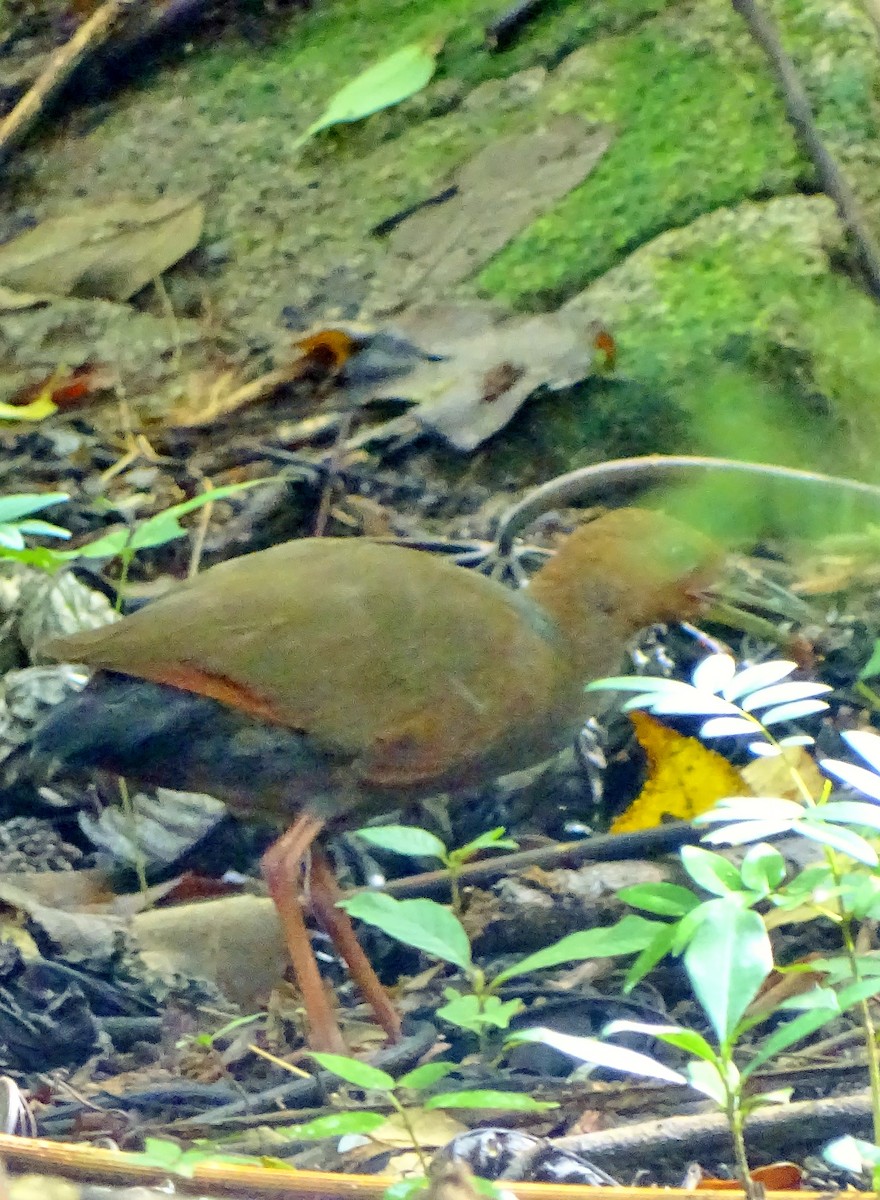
(797, 107)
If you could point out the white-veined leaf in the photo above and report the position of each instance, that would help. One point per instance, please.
(745, 832)
(752, 808)
(761, 675)
(793, 711)
(714, 673)
(850, 812)
(763, 750)
(690, 703)
(784, 693)
(860, 778)
(841, 839)
(727, 727)
(866, 744)
(602, 1054)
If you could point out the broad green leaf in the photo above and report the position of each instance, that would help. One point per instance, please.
(601, 1053)
(382, 85)
(425, 1075)
(514, 1101)
(353, 1071)
(335, 1125)
(421, 923)
(659, 946)
(788, 1034)
(631, 934)
(711, 871)
(727, 960)
(404, 839)
(24, 504)
(663, 899)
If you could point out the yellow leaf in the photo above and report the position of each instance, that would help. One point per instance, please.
(684, 778)
(37, 410)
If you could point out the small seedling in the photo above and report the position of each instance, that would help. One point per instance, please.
(419, 843)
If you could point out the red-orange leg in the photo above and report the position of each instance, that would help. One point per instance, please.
(282, 869)
(324, 892)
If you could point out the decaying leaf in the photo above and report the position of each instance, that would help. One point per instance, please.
(109, 252)
(684, 778)
(494, 196)
(485, 366)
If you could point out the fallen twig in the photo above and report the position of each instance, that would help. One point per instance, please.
(88, 38)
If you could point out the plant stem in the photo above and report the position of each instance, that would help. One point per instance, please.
(735, 1120)
(408, 1126)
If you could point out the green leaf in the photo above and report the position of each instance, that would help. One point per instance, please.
(404, 839)
(712, 872)
(513, 1101)
(601, 1053)
(659, 946)
(158, 530)
(474, 1013)
(24, 504)
(421, 923)
(872, 666)
(405, 1189)
(727, 960)
(382, 85)
(335, 1125)
(352, 1070)
(663, 899)
(631, 934)
(763, 868)
(493, 839)
(425, 1075)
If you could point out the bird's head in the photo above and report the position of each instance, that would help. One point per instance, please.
(627, 569)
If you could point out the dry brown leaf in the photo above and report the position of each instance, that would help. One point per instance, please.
(108, 252)
(487, 366)
(774, 776)
(491, 198)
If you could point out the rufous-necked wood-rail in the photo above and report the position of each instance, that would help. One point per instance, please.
(392, 673)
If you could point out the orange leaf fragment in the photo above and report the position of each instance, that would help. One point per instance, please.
(684, 778)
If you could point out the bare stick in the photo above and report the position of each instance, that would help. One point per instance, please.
(589, 482)
(90, 35)
(797, 107)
